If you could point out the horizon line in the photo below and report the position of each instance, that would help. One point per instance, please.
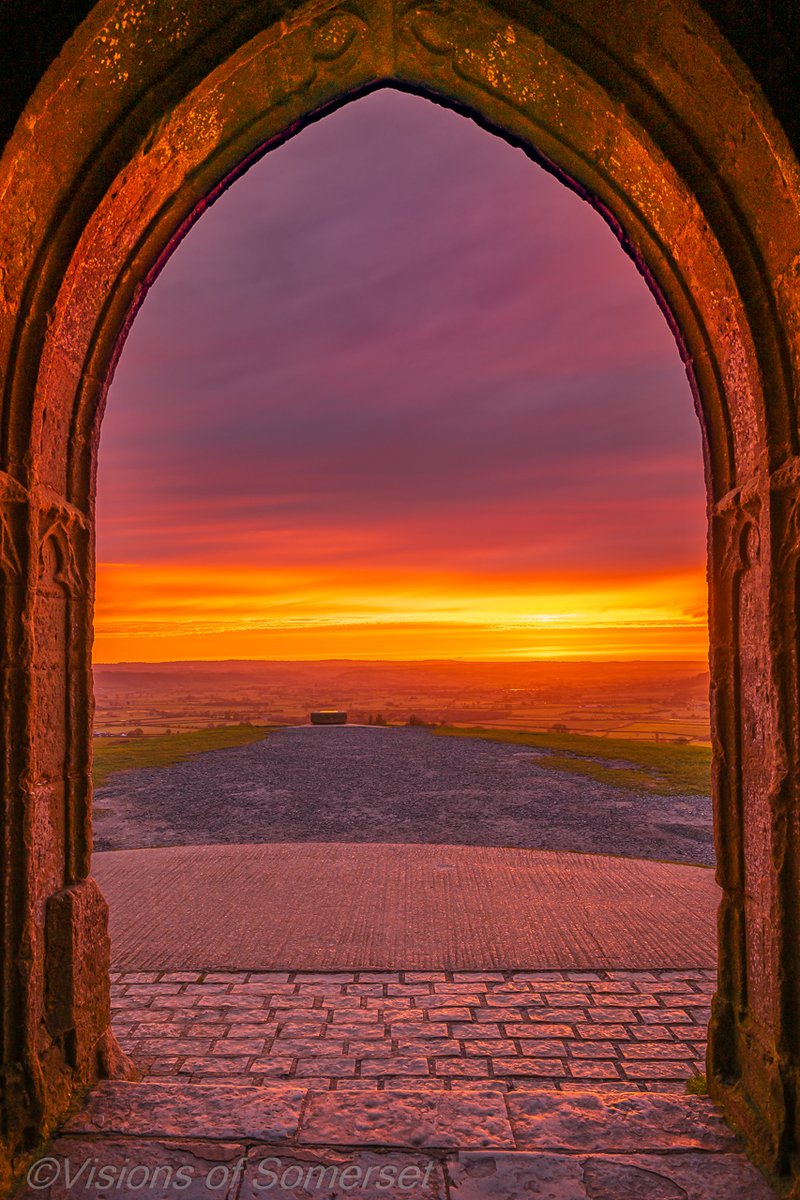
(493, 662)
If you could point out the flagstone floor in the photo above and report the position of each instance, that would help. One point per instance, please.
(292, 1141)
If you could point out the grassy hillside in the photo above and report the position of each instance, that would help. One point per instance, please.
(125, 754)
(661, 767)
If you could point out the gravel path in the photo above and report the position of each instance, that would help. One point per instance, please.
(364, 784)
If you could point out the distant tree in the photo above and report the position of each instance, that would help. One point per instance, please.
(559, 728)
(416, 722)
(379, 719)
(138, 732)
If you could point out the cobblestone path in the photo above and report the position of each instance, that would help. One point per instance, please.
(507, 1031)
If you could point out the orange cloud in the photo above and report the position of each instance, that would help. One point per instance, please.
(157, 613)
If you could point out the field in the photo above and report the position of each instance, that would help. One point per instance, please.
(162, 750)
(633, 701)
(665, 768)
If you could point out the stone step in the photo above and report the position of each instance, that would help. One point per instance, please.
(464, 1118)
(235, 1142)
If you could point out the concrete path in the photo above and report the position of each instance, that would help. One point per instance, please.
(326, 906)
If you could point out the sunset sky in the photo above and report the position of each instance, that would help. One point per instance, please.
(400, 394)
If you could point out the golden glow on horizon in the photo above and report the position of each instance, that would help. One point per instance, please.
(148, 613)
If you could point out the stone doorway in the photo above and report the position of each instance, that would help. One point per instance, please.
(165, 109)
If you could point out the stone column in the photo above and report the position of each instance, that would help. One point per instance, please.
(56, 1038)
(753, 1037)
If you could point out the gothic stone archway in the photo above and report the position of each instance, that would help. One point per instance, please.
(145, 114)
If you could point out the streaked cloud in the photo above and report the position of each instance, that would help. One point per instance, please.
(398, 357)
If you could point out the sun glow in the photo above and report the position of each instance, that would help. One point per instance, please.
(152, 613)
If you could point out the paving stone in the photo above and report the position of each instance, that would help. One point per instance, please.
(512, 1176)
(173, 1045)
(308, 1046)
(134, 1015)
(456, 988)
(259, 988)
(551, 1067)
(438, 1046)
(592, 1031)
(468, 998)
(324, 977)
(593, 1069)
(657, 1070)
(569, 1000)
(620, 985)
(624, 1000)
(650, 1050)
(654, 1033)
(157, 1030)
(154, 989)
(358, 1016)
(514, 1000)
(397, 1065)
(543, 1048)
(154, 1169)
(593, 1050)
(215, 1065)
(666, 1017)
(606, 1086)
(164, 1066)
(329, 1068)
(690, 1033)
(659, 986)
(610, 1015)
(478, 977)
(640, 1177)
(566, 1015)
(371, 1047)
(675, 1177)
(462, 1067)
(545, 1030)
(277, 1068)
(539, 976)
(394, 1083)
(245, 1029)
(368, 1174)
(426, 1029)
(415, 1118)
(631, 1122)
(493, 1046)
(238, 1046)
(317, 989)
(684, 1001)
(190, 1110)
